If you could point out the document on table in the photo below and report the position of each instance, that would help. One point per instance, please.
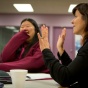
(36, 76)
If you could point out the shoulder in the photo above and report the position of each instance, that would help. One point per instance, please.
(84, 48)
(85, 45)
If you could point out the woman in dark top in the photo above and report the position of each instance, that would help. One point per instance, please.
(23, 51)
(71, 74)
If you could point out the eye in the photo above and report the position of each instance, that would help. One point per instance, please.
(21, 27)
(27, 26)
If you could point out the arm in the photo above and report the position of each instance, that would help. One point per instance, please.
(33, 62)
(66, 75)
(44, 43)
(8, 52)
(65, 59)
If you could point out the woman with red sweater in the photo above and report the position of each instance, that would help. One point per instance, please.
(22, 51)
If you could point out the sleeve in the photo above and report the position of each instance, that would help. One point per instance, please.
(65, 59)
(33, 63)
(66, 75)
(8, 53)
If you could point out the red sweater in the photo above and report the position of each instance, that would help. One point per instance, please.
(33, 61)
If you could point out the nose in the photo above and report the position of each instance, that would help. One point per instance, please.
(72, 21)
(24, 28)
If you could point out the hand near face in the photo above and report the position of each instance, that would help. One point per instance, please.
(60, 41)
(26, 30)
(29, 28)
(43, 40)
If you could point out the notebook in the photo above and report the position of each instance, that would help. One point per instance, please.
(5, 77)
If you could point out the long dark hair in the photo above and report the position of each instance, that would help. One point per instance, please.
(35, 38)
(83, 9)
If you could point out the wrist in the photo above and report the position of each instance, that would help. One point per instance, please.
(60, 50)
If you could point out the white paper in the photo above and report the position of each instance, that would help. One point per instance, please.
(31, 76)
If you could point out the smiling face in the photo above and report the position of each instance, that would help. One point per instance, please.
(78, 24)
(29, 28)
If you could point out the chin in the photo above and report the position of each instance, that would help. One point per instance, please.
(75, 32)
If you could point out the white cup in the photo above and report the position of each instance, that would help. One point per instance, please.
(18, 77)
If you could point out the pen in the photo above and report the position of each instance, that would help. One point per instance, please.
(28, 77)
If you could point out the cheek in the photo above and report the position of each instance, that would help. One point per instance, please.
(20, 29)
(32, 34)
(79, 29)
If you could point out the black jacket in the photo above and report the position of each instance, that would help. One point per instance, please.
(68, 72)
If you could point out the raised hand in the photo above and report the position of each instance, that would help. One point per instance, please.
(60, 41)
(43, 40)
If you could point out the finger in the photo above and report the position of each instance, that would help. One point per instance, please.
(39, 36)
(64, 31)
(45, 31)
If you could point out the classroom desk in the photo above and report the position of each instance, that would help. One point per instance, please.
(50, 83)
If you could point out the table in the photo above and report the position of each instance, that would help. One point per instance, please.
(50, 83)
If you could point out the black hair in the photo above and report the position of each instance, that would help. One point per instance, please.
(35, 25)
(35, 38)
(33, 22)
